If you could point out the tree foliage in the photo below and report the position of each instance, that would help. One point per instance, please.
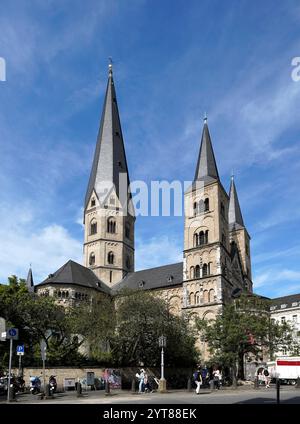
(95, 322)
(244, 326)
(37, 318)
(123, 331)
(141, 318)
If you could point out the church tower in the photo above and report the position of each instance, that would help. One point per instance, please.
(208, 277)
(108, 211)
(239, 235)
(29, 281)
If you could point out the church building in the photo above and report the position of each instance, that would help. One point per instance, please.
(216, 261)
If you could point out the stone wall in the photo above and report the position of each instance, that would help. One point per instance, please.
(177, 377)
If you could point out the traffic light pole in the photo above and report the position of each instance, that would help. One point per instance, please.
(9, 369)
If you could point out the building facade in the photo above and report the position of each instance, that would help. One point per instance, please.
(287, 309)
(216, 252)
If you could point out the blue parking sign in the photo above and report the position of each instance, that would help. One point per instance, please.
(20, 350)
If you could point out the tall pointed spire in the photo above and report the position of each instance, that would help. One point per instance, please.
(109, 157)
(29, 281)
(206, 169)
(235, 217)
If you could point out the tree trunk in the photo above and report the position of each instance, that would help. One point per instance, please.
(241, 373)
(233, 374)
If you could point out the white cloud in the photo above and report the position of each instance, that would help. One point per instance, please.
(157, 251)
(23, 241)
(267, 278)
(270, 255)
(79, 217)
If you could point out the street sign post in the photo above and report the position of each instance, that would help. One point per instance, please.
(11, 334)
(20, 350)
(20, 353)
(43, 346)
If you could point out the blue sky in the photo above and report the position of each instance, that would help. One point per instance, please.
(173, 60)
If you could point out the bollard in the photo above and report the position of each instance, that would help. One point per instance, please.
(133, 385)
(298, 383)
(48, 393)
(79, 389)
(211, 384)
(256, 385)
(12, 394)
(107, 387)
(278, 391)
(189, 385)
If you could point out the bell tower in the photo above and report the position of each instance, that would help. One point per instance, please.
(206, 240)
(208, 275)
(239, 235)
(108, 211)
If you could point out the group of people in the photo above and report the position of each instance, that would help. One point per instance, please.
(145, 381)
(263, 377)
(202, 377)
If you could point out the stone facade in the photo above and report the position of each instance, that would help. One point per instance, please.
(66, 295)
(216, 251)
(108, 239)
(287, 309)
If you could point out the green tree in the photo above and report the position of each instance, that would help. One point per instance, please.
(37, 318)
(94, 322)
(244, 326)
(141, 318)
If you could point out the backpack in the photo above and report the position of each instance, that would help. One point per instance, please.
(204, 373)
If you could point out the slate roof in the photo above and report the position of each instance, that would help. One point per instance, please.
(109, 157)
(29, 281)
(78, 275)
(153, 278)
(286, 300)
(206, 168)
(235, 218)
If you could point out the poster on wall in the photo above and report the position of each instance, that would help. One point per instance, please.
(114, 378)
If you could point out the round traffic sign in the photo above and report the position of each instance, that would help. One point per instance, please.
(12, 332)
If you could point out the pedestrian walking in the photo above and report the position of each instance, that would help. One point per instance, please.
(198, 380)
(267, 377)
(217, 378)
(141, 376)
(204, 375)
(147, 384)
(261, 377)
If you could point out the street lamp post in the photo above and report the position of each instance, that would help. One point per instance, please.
(162, 342)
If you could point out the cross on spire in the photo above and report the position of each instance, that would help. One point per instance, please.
(110, 65)
(206, 169)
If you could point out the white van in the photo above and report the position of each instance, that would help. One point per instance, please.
(286, 368)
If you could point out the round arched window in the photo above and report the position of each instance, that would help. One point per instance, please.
(92, 259)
